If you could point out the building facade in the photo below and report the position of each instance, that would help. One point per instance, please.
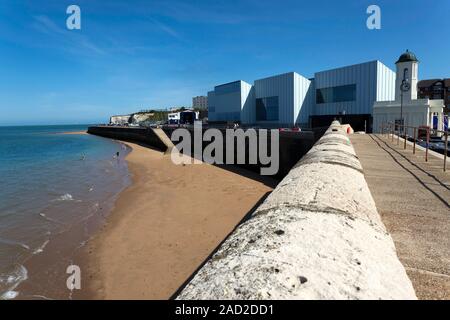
(182, 117)
(230, 102)
(348, 93)
(407, 108)
(278, 100)
(200, 102)
(291, 99)
(435, 89)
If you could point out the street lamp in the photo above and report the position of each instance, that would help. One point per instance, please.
(404, 87)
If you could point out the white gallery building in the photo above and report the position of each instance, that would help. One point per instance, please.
(406, 107)
(290, 99)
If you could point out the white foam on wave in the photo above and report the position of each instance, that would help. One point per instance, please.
(43, 215)
(8, 295)
(65, 197)
(41, 247)
(13, 280)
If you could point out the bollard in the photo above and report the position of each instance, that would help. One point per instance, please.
(414, 143)
(445, 151)
(428, 142)
(405, 131)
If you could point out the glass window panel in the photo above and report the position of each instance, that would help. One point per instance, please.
(267, 109)
(336, 94)
(228, 88)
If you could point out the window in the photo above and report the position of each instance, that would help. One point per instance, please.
(228, 88)
(211, 109)
(405, 74)
(336, 94)
(267, 109)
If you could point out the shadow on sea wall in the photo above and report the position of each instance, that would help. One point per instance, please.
(292, 145)
(140, 135)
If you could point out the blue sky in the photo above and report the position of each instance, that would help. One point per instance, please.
(133, 55)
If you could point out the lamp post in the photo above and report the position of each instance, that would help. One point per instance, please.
(404, 87)
(401, 106)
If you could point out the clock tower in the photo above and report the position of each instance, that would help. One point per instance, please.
(406, 108)
(406, 80)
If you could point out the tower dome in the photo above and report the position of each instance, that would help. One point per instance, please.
(407, 56)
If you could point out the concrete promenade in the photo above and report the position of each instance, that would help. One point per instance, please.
(318, 235)
(412, 196)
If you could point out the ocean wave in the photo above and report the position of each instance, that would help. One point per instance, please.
(8, 295)
(14, 243)
(65, 197)
(12, 280)
(43, 215)
(41, 247)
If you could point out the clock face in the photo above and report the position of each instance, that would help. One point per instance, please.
(405, 86)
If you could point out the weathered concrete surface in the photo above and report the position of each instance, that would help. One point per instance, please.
(164, 139)
(317, 236)
(133, 134)
(292, 145)
(412, 197)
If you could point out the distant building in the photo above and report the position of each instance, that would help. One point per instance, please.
(200, 102)
(183, 117)
(435, 89)
(173, 118)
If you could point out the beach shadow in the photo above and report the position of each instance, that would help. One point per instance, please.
(410, 172)
(270, 181)
(246, 217)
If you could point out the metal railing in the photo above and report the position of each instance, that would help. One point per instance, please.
(391, 130)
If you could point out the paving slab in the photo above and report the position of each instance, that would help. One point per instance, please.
(412, 197)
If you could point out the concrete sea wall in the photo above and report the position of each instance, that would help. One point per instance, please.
(132, 134)
(317, 236)
(292, 145)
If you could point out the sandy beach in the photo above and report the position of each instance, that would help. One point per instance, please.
(165, 225)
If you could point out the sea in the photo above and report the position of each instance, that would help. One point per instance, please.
(56, 190)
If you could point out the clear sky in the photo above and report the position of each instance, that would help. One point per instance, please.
(133, 55)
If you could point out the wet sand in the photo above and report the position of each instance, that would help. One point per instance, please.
(165, 225)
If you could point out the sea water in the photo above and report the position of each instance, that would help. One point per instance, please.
(52, 185)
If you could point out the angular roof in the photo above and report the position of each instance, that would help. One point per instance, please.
(431, 82)
(427, 83)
